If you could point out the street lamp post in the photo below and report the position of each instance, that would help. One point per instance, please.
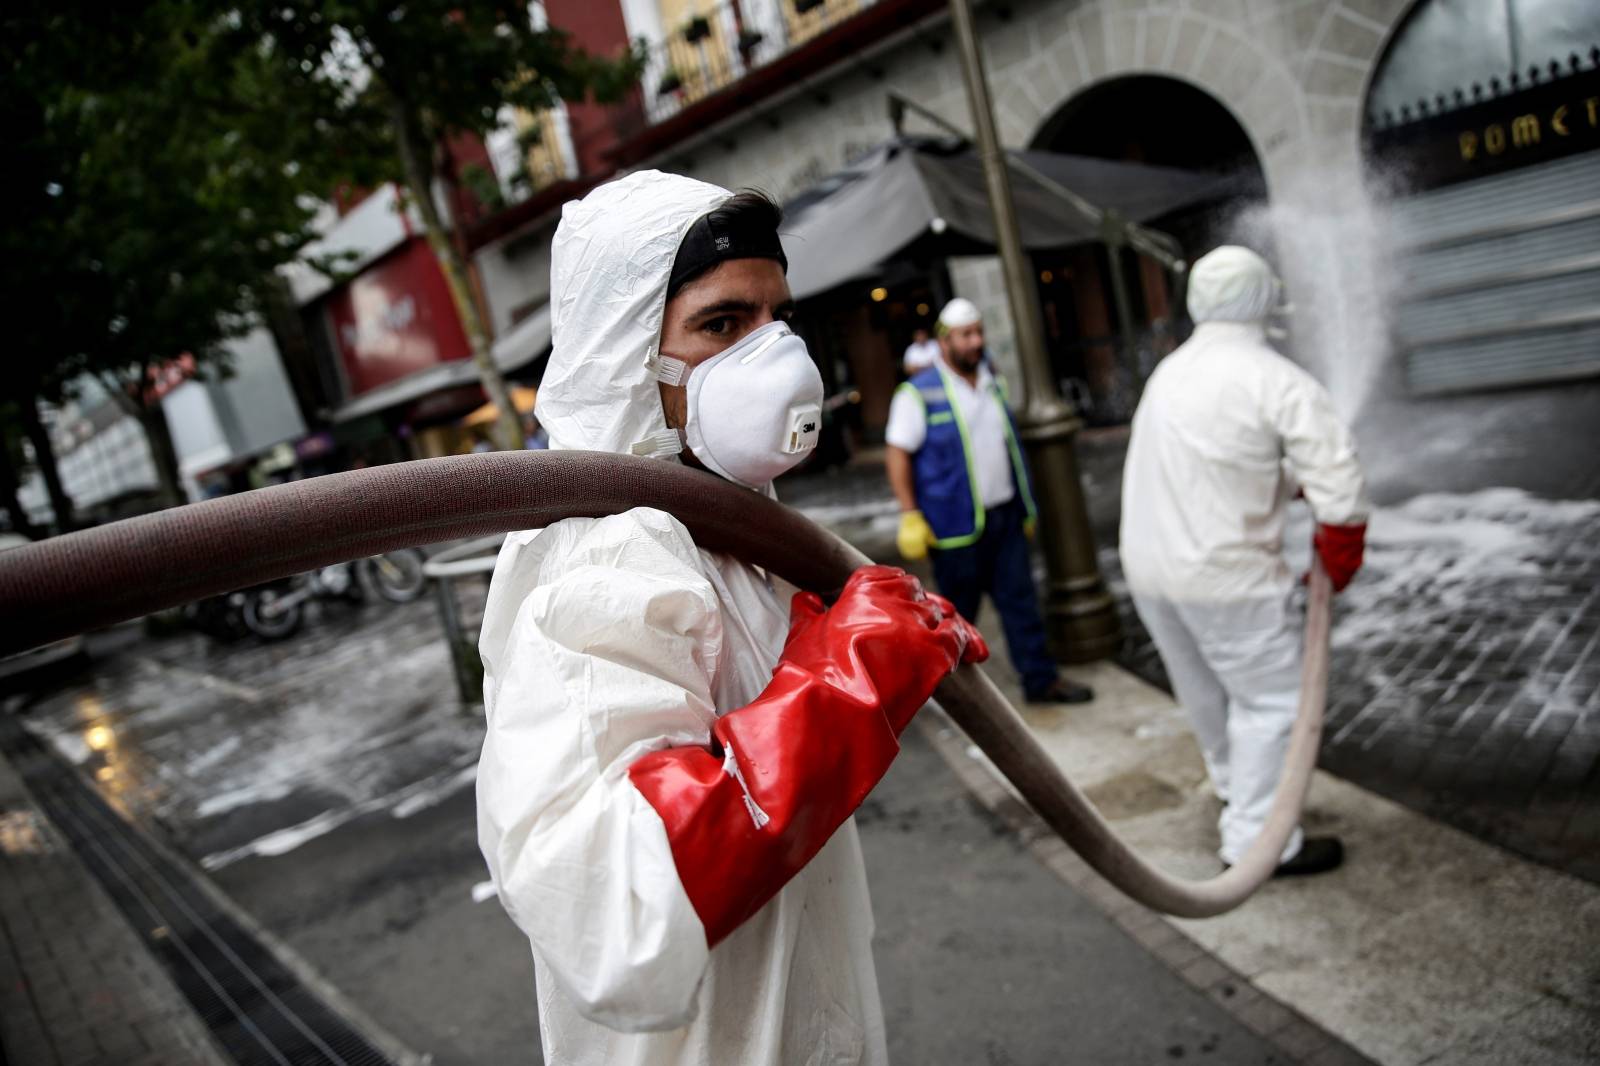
(1079, 613)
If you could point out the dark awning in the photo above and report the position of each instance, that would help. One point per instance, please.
(924, 193)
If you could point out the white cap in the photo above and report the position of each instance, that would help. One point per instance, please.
(1231, 284)
(959, 312)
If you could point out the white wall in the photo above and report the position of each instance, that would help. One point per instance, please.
(197, 434)
(211, 422)
(256, 406)
(376, 225)
(515, 272)
(114, 461)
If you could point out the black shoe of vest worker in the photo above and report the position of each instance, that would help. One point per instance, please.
(1317, 855)
(1061, 691)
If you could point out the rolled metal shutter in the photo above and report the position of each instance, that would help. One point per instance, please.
(1501, 279)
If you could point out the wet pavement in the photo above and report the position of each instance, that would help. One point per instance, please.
(321, 784)
(253, 748)
(324, 784)
(1472, 653)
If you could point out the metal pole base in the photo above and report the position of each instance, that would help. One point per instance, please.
(1081, 625)
(1080, 615)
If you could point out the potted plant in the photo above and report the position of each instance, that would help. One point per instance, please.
(697, 28)
(671, 82)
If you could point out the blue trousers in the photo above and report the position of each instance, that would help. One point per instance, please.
(998, 564)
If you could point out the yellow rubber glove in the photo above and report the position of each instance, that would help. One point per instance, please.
(915, 536)
(1030, 526)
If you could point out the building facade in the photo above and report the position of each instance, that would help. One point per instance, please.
(217, 423)
(1422, 172)
(1282, 93)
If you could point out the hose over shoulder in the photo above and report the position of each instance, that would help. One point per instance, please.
(112, 573)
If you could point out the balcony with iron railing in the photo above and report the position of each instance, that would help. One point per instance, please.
(723, 56)
(720, 43)
(716, 59)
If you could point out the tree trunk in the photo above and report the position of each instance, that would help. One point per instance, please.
(419, 180)
(44, 454)
(282, 319)
(8, 493)
(152, 418)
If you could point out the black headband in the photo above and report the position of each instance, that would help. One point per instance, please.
(707, 244)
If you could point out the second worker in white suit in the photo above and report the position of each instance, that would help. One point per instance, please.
(1226, 432)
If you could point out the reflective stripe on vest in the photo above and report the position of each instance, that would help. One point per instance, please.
(946, 483)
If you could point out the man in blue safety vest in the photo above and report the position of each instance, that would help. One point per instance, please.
(957, 472)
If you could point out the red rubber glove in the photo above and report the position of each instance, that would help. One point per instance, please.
(1341, 549)
(791, 766)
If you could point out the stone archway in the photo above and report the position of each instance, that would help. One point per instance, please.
(1161, 121)
(1149, 118)
(1156, 120)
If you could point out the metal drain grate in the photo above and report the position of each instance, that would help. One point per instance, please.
(256, 1007)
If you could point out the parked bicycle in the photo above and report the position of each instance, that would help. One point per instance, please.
(277, 610)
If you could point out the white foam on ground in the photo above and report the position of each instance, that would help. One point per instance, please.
(432, 794)
(282, 841)
(1431, 556)
(244, 796)
(401, 803)
(71, 747)
(213, 755)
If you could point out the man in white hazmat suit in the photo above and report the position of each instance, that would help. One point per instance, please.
(673, 751)
(1204, 495)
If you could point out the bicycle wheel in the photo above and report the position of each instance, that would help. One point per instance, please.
(398, 575)
(269, 624)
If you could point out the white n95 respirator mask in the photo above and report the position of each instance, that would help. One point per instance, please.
(755, 409)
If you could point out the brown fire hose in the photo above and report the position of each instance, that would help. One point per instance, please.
(112, 573)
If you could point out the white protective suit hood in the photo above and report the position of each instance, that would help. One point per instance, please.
(1232, 284)
(610, 261)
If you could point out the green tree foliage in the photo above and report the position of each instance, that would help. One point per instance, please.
(150, 199)
(166, 157)
(380, 88)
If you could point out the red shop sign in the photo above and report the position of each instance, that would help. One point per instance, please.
(163, 379)
(395, 318)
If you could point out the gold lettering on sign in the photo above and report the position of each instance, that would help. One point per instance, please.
(1525, 131)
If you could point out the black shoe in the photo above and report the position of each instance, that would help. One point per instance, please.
(1061, 691)
(1317, 855)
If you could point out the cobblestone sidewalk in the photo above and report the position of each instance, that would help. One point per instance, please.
(76, 985)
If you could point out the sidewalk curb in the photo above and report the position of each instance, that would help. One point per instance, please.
(335, 1000)
(308, 975)
(1296, 1036)
(195, 1036)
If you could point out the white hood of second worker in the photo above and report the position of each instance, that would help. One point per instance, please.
(610, 261)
